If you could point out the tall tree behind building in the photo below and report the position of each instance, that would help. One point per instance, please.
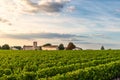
(70, 46)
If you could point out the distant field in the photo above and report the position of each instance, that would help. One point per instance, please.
(59, 65)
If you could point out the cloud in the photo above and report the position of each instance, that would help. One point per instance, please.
(52, 6)
(71, 9)
(117, 10)
(48, 6)
(5, 21)
(13, 9)
(8, 11)
(99, 35)
(45, 36)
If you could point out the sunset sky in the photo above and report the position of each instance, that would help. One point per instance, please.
(89, 24)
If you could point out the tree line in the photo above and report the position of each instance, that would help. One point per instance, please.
(70, 46)
(60, 47)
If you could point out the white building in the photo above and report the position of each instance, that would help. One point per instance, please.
(34, 47)
(52, 47)
(13, 48)
(28, 47)
(77, 48)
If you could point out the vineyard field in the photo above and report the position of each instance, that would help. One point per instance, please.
(59, 65)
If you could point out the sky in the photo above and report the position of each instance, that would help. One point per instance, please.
(89, 24)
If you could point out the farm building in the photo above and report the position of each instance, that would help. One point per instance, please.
(34, 47)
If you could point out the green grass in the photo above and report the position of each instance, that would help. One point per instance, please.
(59, 65)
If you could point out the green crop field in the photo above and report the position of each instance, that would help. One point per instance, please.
(59, 65)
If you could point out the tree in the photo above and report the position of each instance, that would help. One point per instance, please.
(61, 47)
(0, 47)
(102, 48)
(47, 44)
(70, 46)
(18, 47)
(5, 47)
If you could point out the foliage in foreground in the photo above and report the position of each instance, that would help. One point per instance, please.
(59, 65)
